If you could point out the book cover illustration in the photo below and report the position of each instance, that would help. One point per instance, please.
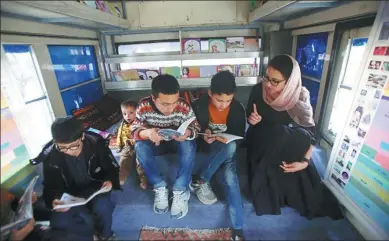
(217, 46)
(142, 74)
(235, 44)
(245, 70)
(174, 71)
(125, 75)
(251, 44)
(208, 71)
(152, 73)
(191, 46)
(230, 68)
(191, 72)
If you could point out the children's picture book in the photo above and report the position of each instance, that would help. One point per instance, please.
(71, 201)
(217, 46)
(125, 75)
(142, 74)
(224, 137)
(91, 4)
(191, 72)
(251, 44)
(245, 70)
(24, 212)
(152, 73)
(104, 134)
(168, 134)
(235, 44)
(230, 68)
(174, 71)
(208, 71)
(191, 46)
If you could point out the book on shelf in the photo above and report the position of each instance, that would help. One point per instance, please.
(142, 74)
(251, 44)
(245, 70)
(24, 211)
(235, 44)
(208, 71)
(72, 201)
(191, 46)
(226, 67)
(91, 4)
(174, 71)
(123, 75)
(217, 45)
(113, 9)
(191, 72)
(168, 134)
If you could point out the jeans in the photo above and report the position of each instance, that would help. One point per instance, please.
(79, 221)
(145, 152)
(224, 156)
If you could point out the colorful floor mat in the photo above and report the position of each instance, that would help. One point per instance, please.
(151, 233)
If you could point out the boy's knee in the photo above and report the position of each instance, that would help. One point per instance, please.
(189, 146)
(230, 148)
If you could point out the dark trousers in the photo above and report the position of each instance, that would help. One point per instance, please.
(80, 222)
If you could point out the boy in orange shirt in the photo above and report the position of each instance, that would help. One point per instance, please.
(126, 143)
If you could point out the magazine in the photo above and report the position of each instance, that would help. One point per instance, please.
(24, 212)
(168, 134)
(71, 201)
(224, 137)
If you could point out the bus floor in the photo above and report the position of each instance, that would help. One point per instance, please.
(134, 211)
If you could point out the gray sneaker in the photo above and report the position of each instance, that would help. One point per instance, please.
(203, 192)
(161, 200)
(180, 204)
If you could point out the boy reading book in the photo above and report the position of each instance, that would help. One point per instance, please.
(126, 144)
(220, 112)
(165, 110)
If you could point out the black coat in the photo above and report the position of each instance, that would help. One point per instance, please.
(236, 119)
(101, 166)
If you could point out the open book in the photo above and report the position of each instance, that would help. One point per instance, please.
(71, 201)
(224, 137)
(168, 134)
(24, 212)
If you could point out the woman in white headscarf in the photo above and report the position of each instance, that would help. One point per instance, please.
(280, 140)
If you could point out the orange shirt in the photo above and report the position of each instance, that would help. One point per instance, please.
(217, 119)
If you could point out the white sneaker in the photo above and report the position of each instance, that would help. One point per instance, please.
(180, 204)
(204, 192)
(161, 200)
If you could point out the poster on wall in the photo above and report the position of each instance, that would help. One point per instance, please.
(359, 165)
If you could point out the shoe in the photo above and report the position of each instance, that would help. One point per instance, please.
(203, 192)
(237, 235)
(180, 204)
(161, 200)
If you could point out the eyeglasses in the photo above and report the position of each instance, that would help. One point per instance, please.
(273, 82)
(72, 148)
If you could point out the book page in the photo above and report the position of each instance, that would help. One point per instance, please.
(226, 138)
(72, 201)
(185, 125)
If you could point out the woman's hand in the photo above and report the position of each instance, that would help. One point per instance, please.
(208, 139)
(108, 185)
(58, 202)
(294, 166)
(254, 118)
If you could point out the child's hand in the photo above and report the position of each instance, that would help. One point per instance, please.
(207, 137)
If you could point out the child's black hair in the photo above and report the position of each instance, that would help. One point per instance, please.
(223, 83)
(164, 84)
(129, 103)
(66, 129)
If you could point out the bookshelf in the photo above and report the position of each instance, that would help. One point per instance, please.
(176, 56)
(186, 83)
